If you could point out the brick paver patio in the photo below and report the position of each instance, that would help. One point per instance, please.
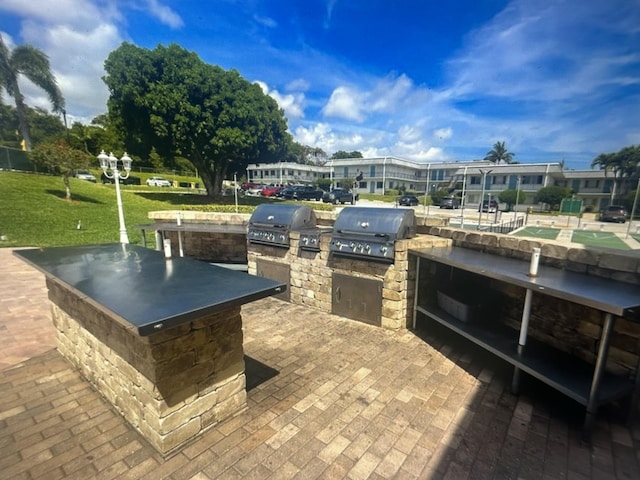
(328, 398)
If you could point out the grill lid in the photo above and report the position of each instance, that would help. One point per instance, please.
(289, 217)
(370, 233)
(271, 224)
(388, 223)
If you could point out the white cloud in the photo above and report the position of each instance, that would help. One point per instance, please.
(291, 103)
(443, 133)
(344, 103)
(165, 14)
(265, 21)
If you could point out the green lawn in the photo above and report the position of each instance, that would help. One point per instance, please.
(34, 211)
(592, 238)
(538, 232)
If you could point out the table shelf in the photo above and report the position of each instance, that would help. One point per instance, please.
(562, 371)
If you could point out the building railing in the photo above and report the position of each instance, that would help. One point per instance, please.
(503, 227)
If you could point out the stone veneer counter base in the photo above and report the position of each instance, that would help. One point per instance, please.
(160, 339)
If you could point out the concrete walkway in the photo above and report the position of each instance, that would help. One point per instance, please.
(328, 398)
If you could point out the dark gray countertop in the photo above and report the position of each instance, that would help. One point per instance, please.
(604, 294)
(150, 293)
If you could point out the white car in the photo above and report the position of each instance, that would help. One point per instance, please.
(158, 182)
(85, 175)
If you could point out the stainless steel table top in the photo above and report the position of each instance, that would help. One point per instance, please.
(604, 294)
(148, 292)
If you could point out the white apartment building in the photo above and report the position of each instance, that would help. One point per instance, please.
(470, 179)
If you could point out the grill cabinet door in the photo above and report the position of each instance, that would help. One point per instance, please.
(280, 272)
(357, 298)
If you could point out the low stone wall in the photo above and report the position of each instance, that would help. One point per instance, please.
(214, 247)
(170, 386)
(620, 265)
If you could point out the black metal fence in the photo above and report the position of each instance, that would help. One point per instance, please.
(503, 227)
(15, 159)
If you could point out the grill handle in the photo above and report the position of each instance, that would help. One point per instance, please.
(268, 225)
(363, 234)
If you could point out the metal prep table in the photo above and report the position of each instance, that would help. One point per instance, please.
(589, 385)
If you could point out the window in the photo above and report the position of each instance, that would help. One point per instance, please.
(379, 185)
(372, 171)
(475, 180)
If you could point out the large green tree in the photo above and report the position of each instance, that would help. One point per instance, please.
(499, 153)
(624, 165)
(552, 196)
(32, 63)
(511, 197)
(340, 154)
(169, 100)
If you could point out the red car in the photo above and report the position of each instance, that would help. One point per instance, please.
(270, 191)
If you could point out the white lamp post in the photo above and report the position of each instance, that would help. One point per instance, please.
(109, 164)
(633, 209)
(484, 182)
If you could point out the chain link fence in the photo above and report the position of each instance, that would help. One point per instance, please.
(15, 159)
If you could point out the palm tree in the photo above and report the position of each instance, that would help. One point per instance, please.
(623, 164)
(499, 154)
(34, 64)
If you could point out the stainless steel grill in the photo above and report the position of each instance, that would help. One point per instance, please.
(371, 233)
(272, 224)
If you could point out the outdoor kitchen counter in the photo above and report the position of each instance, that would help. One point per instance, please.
(587, 384)
(161, 339)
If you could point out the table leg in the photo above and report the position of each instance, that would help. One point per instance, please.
(522, 340)
(601, 363)
(159, 241)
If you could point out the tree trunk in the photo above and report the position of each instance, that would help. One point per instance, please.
(23, 123)
(65, 179)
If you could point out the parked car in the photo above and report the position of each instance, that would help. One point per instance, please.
(450, 202)
(614, 213)
(489, 206)
(270, 191)
(130, 180)
(408, 201)
(85, 175)
(340, 195)
(158, 182)
(304, 192)
(254, 190)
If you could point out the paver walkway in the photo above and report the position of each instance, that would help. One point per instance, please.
(328, 398)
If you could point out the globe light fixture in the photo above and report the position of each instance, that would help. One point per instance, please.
(109, 164)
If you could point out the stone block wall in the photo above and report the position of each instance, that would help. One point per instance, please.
(311, 274)
(170, 386)
(214, 247)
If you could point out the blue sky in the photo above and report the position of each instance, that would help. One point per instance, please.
(426, 81)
